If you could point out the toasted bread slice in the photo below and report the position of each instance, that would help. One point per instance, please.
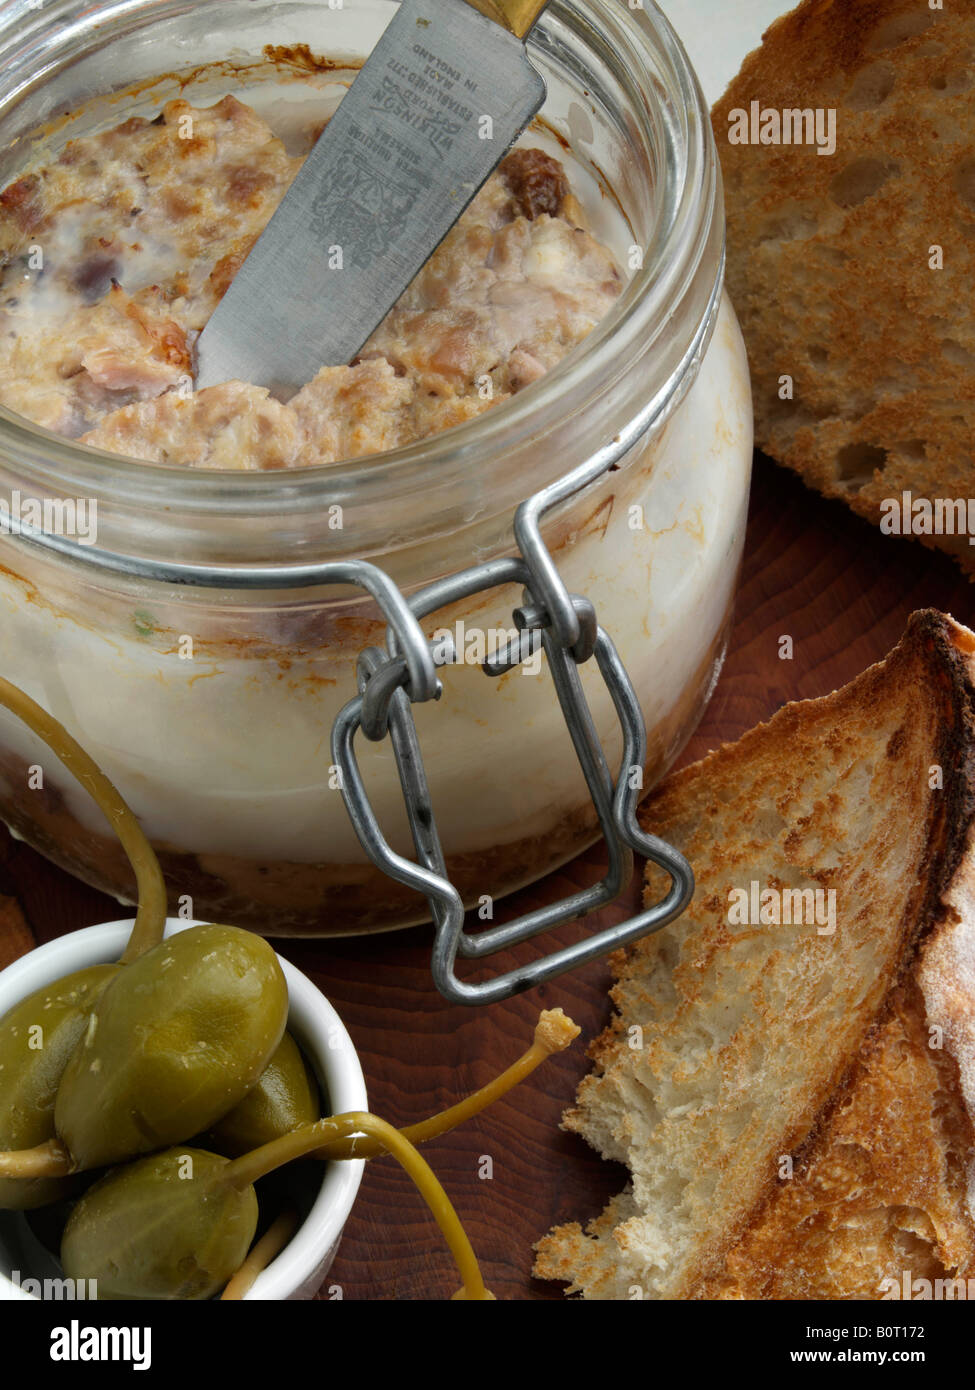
(832, 259)
(731, 1040)
(883, 1194)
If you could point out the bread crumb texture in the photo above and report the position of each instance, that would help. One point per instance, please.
(790, 1130)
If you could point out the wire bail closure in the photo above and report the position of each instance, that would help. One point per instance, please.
(391, 681)
(566, 627)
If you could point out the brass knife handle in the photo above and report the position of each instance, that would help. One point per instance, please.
(517, 16)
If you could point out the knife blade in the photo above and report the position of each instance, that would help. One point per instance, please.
(429, 116)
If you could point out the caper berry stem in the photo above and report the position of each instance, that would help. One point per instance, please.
(150, 920)
(50, 1160)
(553, 1033)
(307, 1138)
(260, 1255)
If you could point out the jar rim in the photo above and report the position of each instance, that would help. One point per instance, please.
(640, 41)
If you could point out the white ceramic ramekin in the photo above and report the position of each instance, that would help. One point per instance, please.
(302, 1265)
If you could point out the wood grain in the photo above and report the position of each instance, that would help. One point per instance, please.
(813, 572)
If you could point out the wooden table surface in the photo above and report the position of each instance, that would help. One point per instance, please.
(813, 572)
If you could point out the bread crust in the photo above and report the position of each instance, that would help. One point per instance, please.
(878, 1088)
(833, 260)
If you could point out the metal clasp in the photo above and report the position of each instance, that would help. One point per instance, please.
(405, 673)
(566, 626)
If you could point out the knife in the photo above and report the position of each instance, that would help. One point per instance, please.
(445, 92)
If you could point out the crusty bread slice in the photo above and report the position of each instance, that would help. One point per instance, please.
(830, 257)
(885, 1194)
(731, 1041)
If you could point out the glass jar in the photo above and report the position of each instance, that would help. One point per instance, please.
(211, 707)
